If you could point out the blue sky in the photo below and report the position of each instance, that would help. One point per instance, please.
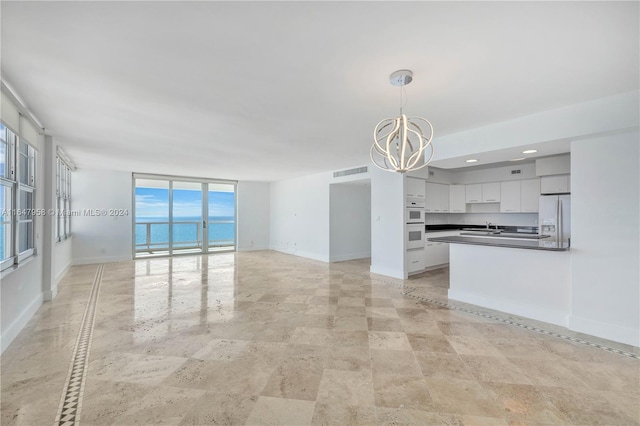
(154, 202)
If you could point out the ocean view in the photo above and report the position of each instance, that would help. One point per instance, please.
(187, 231)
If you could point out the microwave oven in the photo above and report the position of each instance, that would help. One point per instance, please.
(413, 215)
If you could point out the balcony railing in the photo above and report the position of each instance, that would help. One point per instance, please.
(187, 235)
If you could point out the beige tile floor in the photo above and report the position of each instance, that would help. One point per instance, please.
(267, 338)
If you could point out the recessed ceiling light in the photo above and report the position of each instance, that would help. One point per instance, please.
(517, 159)
(472, 160)
(530, 151)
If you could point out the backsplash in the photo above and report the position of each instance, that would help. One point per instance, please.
(507, 219)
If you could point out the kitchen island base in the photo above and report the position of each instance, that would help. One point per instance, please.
(530, 283)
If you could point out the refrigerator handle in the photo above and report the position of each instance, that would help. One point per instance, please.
(560, 224)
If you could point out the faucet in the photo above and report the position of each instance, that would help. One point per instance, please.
(488, 224)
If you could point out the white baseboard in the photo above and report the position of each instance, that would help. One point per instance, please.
(48, 296)
(350, 256)
(108, 259)
(62, 273)
(16, 326)
(301, 253)
(387, 272)
(617, 333)
(533, 312)
(255, 248)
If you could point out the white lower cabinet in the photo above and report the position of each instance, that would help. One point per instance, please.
(437, 253)
(415, 260)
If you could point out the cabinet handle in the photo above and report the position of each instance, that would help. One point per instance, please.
(490, 199)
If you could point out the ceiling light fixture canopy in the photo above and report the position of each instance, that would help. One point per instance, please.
(400, 144)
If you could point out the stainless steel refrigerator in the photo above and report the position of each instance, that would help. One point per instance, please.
(554, 217)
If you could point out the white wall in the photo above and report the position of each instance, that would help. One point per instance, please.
(387, 223)
(605, 228)
(253, 215)
(350, 221)
(299, 218)
(99, 239)
(21, 289)
(62, 259)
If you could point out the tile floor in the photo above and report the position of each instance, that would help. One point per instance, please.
(267, 338)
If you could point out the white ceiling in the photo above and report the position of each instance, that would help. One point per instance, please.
(266, 91)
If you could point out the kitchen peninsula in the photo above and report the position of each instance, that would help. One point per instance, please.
(529, 278)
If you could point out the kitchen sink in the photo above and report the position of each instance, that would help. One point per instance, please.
(480, 231)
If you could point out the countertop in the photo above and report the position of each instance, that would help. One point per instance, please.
(503, 242)
(454, 227)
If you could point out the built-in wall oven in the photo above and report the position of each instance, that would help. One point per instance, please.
(415, 236)
(414, 215)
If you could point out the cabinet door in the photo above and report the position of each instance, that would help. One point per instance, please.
(491, 192)
(457, 202)
(473, 193)
(431, 204)
(415, 260)
(430, 254)
(443, 198)
(529, 195)
(442, 253)
(510, 196)
(557, 184)
(415, 188)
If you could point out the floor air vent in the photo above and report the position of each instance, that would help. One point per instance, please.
(355, 171)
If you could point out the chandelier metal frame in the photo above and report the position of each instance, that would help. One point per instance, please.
(401, 143)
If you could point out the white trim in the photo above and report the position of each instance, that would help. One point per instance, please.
(20, 105)
(350, 256)
(546, 315)
(617, 333)
(254, 248)
(306, 254)
(92, 260)
(48, 296)
(20, 322)
(387, 272)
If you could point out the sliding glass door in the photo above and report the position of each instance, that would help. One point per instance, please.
(221, 205)
(187, 216)
(183, 215)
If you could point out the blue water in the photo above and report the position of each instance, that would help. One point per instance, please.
(184, 234)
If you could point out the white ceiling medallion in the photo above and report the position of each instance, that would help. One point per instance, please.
(400, 144)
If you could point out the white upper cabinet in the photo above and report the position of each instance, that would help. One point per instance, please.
(529, 195)
(557, 184)
(444, 198)
(491, 192)
(437, 198)
(473, 193)
(457, 202)
(483, 192)
(415, 188)
(510, 192)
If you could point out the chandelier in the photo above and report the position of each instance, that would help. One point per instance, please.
(400, 144)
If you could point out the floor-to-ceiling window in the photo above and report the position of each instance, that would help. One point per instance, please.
(183, 215)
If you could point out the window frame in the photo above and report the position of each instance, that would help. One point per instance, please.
(18, 181)
(63, 199)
